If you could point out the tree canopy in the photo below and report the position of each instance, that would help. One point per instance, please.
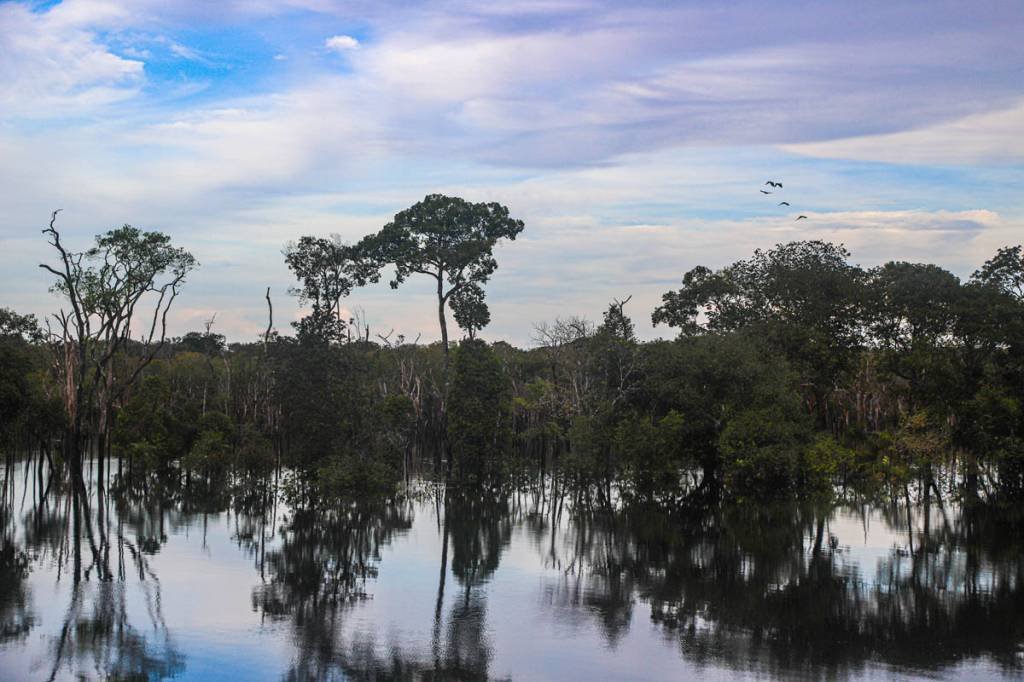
(451, 240)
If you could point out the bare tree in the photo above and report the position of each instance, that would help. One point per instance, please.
(106, 287)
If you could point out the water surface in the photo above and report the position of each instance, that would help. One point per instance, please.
(502, 585)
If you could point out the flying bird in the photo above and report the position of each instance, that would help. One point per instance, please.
(783, 203)
(773, 183)
(764, 191)
(799, 217)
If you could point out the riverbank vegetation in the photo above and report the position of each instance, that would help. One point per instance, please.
(793, 372)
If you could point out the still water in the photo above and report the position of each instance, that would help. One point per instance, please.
(502, 585)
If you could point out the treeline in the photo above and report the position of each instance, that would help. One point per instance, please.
(794, 371)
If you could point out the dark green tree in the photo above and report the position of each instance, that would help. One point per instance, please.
(327, 270)
(1004, 271)
(710, 380)
(24, 327)
(470, 309)
(911, 314)
(805, 297)
(449, 239)
(479, 418)
(28, 416)
(208, 343)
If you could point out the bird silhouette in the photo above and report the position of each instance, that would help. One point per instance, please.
(799, 217)
(764, 191)
(783, 203)
(773, 183)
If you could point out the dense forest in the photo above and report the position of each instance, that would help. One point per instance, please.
(794, 373)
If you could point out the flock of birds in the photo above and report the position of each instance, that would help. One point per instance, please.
(778, 185)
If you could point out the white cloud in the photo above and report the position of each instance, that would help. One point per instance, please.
(995, 137)
(52, 65)
(341, 43)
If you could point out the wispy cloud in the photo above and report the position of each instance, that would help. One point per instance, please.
(52, 65)
(995, 137)
(184, 51)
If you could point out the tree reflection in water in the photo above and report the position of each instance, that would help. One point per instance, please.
(750, 588)
(77, 537)
(479, 527)
(780, 590)
(320, 570)
(772, 591)
(16, 618)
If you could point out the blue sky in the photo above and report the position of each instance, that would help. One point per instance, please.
(632, 140)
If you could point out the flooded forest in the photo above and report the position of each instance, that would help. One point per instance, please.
(819, 473)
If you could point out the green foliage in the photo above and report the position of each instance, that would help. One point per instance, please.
(451, 240)
(921, 441)
(320, 391)
(803, 298)
(793, 370)
(146, 428)
(1009, 458)
(806, 285)
(347, 477)
(469, 308)
(131, 259)
(540, 400)
(655, 453)
(210, 454)
(712, 379)
(203, 343)
(14, 326)
(254, 452)
(444, 234)
(993, 415)
(614, 359)
(591, 437)
(1004, 272)
(763, 452)
(29, 410)
(397, 411)
(327, 270)
(479, 413)
(823, 461)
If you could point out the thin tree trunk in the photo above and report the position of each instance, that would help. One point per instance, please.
(444, 326)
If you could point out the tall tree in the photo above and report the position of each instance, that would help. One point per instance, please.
(327, 270)
(105, 287)
(452, 241)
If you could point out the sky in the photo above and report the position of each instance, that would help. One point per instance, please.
(631, 138)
